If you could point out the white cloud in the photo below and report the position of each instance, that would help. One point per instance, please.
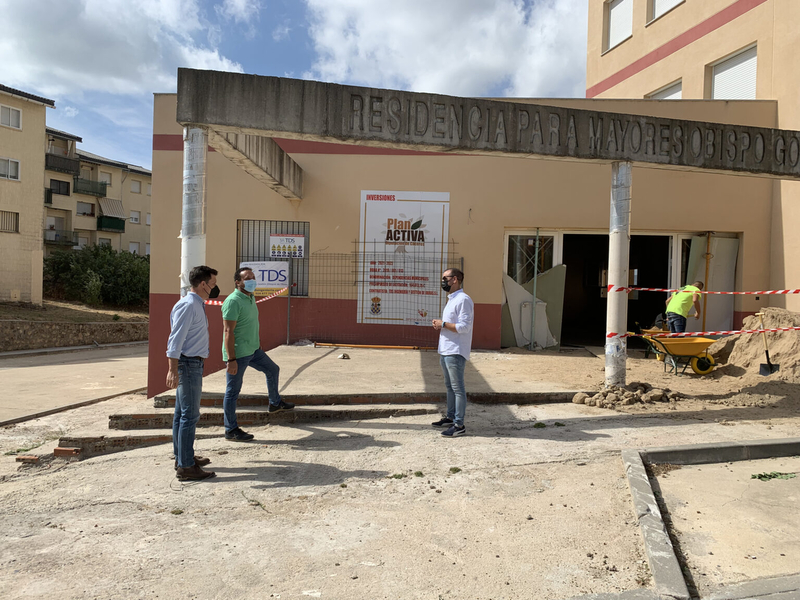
(240, 11)
(72, 47)
(461, 47)
(71, 112)
(281, 32)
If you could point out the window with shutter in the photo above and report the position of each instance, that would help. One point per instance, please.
(620, 22)
(735, 77)
(671, 92)
(660, 7)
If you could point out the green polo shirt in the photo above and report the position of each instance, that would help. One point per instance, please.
(241, 308)
(681, 302)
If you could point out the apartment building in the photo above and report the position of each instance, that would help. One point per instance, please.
(22, 165)
(710, 50)
(54, 196)
(94, 200)
(128, 189)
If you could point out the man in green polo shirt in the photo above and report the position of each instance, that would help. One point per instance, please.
(680, 303)
(241, 348)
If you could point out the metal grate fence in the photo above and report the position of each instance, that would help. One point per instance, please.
(339, 278)
(253, 245)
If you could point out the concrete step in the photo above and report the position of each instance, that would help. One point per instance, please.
(81, 446)
(214, 399)
(213, 417)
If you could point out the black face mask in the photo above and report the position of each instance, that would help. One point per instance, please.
(214, 292)
(446, 286)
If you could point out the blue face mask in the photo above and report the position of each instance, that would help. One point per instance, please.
(250, 285)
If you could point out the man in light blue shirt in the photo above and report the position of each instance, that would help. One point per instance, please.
(455, 343)
(187, 348)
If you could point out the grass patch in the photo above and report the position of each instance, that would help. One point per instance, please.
(455, 470)
(342, 485)
(176, 511)
(419, 474)
(397, 476)
(254, 502)
(557, 424)
(539, 425)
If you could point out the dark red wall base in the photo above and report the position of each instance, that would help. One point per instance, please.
(315, 319)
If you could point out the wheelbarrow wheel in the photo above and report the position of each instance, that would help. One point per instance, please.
(703, 365)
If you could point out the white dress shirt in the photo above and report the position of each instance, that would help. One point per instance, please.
(460, 311)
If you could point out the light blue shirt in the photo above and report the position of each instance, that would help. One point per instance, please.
(189, 335)
(460, 311)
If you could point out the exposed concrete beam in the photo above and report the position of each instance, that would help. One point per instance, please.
(262, 158)
(326, 112)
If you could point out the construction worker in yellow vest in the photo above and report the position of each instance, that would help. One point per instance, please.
(680, 303)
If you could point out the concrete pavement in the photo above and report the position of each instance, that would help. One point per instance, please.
(36, 384)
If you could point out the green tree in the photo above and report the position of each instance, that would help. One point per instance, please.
(98, 274)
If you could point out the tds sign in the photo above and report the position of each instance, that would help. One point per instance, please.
(271, 276)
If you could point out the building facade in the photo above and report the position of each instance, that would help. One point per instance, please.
(22, 158)
(94, 200)
(54, 196)
(497, 206)
(710, 50)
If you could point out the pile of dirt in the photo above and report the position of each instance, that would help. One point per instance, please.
(747, 350)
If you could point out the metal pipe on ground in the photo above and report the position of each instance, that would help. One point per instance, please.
(376, 346)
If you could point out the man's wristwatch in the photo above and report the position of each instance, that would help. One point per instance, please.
(443, 324)
(230, 360)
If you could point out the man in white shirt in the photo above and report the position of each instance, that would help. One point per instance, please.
(455, 342)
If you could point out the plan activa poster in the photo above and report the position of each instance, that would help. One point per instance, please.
(403, 251)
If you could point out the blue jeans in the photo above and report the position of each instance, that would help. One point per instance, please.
(187, 409)
(676, 322)
(453, 370)
(260, 362)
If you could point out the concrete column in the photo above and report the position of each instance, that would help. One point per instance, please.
(619, 241)
(193, 223)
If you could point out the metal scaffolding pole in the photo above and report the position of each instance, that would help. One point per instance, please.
(619, 241)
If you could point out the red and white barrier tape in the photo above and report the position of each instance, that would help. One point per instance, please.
(264, 299)
(698, 333)
(620, 288)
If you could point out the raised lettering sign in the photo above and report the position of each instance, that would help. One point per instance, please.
(280, 107)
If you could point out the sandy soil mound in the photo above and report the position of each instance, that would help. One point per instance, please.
(747, 351)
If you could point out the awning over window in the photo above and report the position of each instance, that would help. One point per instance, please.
(112, 207)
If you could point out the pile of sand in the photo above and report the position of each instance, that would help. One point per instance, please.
(746, 351)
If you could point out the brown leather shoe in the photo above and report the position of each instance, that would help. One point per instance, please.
(193, 473)
(200, 461)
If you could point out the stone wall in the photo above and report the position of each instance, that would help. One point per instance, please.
(31, 335)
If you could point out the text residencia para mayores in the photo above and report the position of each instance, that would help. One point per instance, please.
(582, 133)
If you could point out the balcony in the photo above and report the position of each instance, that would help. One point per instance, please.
(59, 237)
(48, 196)
(92, 188)
(62, 164)
(111, 224)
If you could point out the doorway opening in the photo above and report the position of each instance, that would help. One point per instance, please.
(586, 257)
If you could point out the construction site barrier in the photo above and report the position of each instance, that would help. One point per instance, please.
(699, 333)
(619, 288)
(264, 299)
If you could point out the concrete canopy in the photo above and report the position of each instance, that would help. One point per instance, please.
(241, 110)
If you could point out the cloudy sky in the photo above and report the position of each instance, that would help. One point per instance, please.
(101, 60)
